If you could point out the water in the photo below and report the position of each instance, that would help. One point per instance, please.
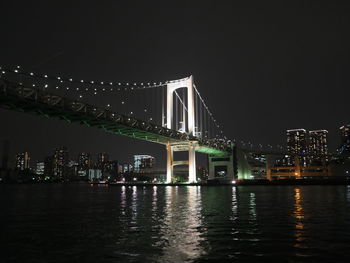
(83, 223)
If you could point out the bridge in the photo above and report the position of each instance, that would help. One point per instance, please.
(185, 122)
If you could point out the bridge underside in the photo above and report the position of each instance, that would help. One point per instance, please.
(24, 99)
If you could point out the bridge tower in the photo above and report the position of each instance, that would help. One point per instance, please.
(188, 127)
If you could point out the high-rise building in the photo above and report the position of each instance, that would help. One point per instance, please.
(142, 162)
(48, 167)
(297, 142)
(345, 139)
(22, 161)
(318, 144)
(40, 168)
(60, 163)
(103, 162)
(84, 161)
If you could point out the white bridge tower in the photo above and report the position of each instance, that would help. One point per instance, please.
(188, 146)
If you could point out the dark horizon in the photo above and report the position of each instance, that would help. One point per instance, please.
(273, 66)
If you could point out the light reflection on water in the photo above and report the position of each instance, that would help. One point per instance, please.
(182, 221)
(174, 224)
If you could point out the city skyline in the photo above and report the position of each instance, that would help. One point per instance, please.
(273, 70)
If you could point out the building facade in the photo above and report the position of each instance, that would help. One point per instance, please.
(22, 161)
(318, 145)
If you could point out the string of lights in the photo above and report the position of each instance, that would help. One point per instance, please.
(106, 85)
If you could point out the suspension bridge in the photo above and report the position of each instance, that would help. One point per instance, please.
(172, 113)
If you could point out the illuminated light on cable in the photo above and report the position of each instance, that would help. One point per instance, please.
(56, 87)
(127, 84)
(86, 89)
(119, 84)
(111, 89)
(58, 77)
(145, 110)
(82, 81)
(102, 82)
(70, 79)
(92, 82)
(131, 113)
(16, 70)
(134, 84)
(61, 81)
(33, 85)
(110, 83)
(46, 85)
(123, 102)
(45, 76)
(95, 92)
(67, 88)
(77, 88)
(108, 105)
(95, 89)
(80, 96)
(31, 73)
(103, 89)
(151, 119)
(16, 66)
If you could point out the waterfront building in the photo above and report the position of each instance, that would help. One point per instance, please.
(344, 139)
(318, 145)
(297, 144)
(84, 161)
(143, 162)
(40, 168)
(95, 174)
(60, 163)
(103, 162)
(22, 161)
(48, 167)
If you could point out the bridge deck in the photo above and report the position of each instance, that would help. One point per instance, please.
(25, 99)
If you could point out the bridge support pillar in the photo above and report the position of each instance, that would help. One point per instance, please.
(191, 148)
(221, 168)
(169, 163)
(192, 177)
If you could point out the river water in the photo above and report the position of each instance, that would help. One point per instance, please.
(83, 223)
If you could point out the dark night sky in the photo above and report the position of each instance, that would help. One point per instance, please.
(262, 66)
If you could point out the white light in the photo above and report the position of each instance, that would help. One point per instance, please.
(16, 70)
(123, 102)
(119, 84)
(108, 105)
(95, 93)
(58, 78)
(82, 81)
(56, 87)
(67, 88)
(92, 82)
(131, 113)
(233, 182)
(110, 83)
(31, 73)
(46, 85)
(45, 76)
(80, 96)
(102, 82)
(70, 79)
